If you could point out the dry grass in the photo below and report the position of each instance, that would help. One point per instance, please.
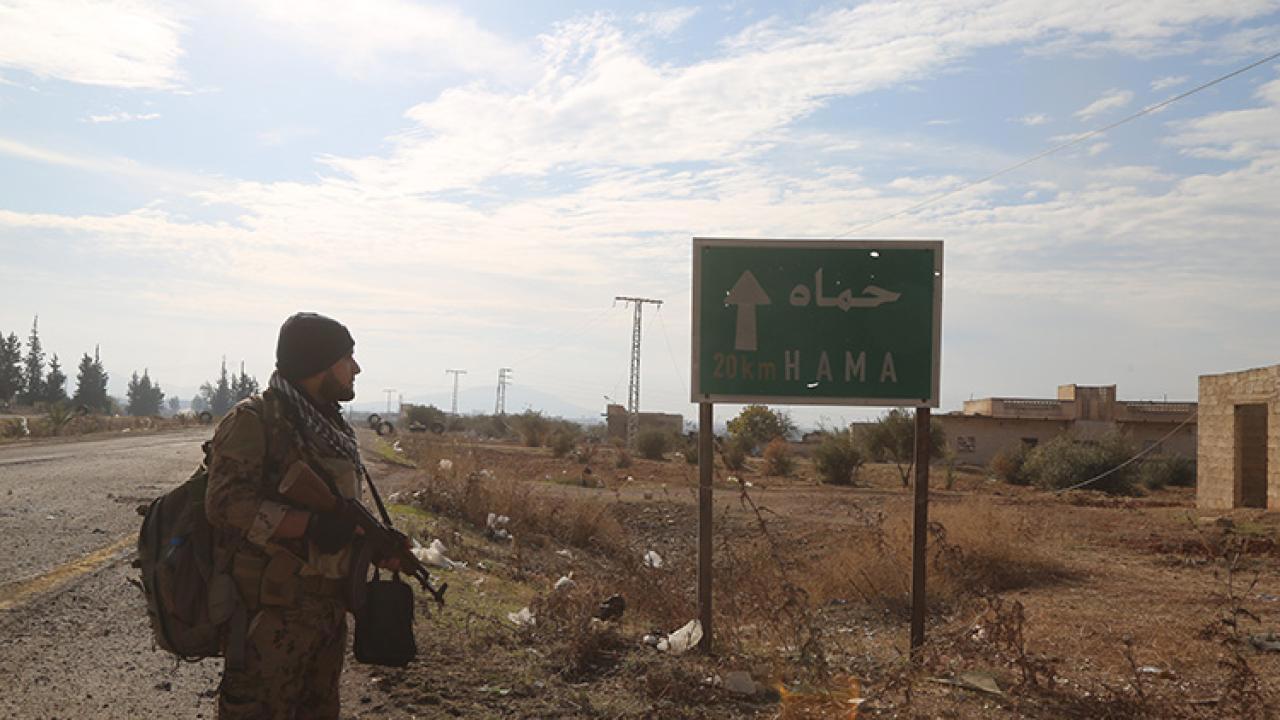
(45, 426)
(1063, 604)
(975, 548)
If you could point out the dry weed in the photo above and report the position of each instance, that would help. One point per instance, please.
(975, 548)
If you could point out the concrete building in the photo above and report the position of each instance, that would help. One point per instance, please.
(616, 422)
(1239, 447)
(987, 425)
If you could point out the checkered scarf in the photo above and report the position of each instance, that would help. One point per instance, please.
(318, 431)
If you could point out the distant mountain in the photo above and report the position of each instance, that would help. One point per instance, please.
(480, 400)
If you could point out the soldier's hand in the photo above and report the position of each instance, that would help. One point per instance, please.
(330, 532)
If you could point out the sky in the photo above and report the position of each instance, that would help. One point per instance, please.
(469, 185)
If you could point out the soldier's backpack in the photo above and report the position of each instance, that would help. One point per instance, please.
(175, 555)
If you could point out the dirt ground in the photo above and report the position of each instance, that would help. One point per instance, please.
(1043, 606)
(1076, 605)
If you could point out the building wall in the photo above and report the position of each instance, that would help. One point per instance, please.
(976, 439)
(616, 422)
(1220, 455)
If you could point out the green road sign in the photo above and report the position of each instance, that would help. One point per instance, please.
(817, 322)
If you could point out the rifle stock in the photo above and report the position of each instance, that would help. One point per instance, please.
(302, 485)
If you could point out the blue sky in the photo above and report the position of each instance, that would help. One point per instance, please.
(469, 185)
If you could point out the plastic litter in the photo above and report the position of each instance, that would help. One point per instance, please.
(680, 641)
(980, 681)
(434, 555)
(653, 559)
(523, 617)
(446, 465)
(564, 583)
(496, 527)
(1268, 642)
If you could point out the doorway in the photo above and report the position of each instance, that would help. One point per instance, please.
(1251, 454)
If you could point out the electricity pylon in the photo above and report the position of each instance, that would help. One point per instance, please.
(504, 377)
(633, 391)
(456, 373)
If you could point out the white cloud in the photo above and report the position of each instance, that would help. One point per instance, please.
(115, 166)
(1111, 100)
(1167, 82)
(375, 39)
(1097, 149)
(117, 43)
(666, 22)
(122, 117)
(619, 157)
(926, 185)
(1033, 119)
(1233, 134)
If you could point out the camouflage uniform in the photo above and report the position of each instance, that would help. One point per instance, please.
(297, 626)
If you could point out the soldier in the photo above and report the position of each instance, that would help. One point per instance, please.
(290, 566)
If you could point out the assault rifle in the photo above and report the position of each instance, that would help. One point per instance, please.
(302, 485)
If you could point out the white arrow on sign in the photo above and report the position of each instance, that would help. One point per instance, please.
(746, 294)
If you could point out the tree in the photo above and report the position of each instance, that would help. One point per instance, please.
(145, 398)
(55, 384)
(91, 384)
(756, 425)
(175, 405)
(199, 404)
(33, 367)
(892, 438)
(10, 367)
(219, 397)
(243, 385)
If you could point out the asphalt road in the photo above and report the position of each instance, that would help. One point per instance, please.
(74, 638)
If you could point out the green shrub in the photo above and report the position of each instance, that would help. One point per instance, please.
(425, 414)
(757, 425)
(12, 428)
(624, 457)
(1066, 461)
(777, 458)
(532, 427)
(653, 444)
(691, 450)
(1008, 464)
(1157, 471)
(892, 438)
(838, 457)
(562, 442)
(734, 452)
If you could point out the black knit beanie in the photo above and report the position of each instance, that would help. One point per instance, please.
(310, 343)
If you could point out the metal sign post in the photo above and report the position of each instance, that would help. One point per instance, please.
(919, 531)
(706, 461)
(816, 322)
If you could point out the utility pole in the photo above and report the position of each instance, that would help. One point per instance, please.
(504, 378)
(633, 391)
(389, 392)
(455, 374)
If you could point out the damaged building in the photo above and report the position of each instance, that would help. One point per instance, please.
(1239, 446)
(987, 425)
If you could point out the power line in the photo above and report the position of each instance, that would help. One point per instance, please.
(1058, 148)
(682, 378)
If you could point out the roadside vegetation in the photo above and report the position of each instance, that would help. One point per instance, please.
(812, 586)
(1111, 464)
